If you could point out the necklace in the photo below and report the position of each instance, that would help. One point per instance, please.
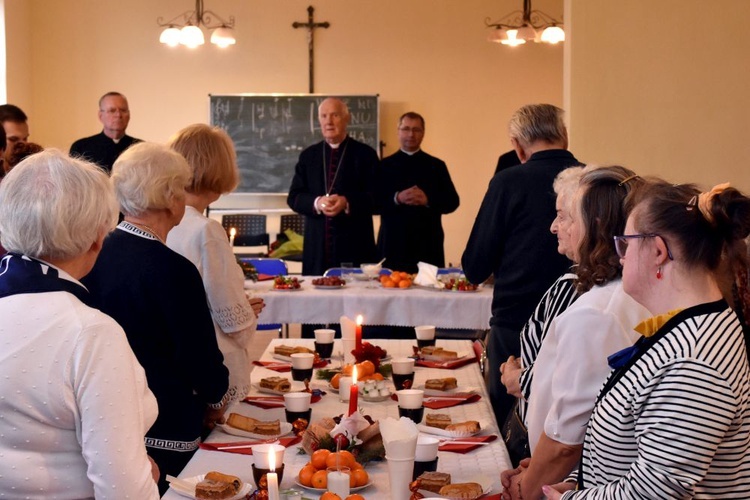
(325, 168)
(148, 229)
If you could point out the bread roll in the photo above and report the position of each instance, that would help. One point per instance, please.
(464, 491)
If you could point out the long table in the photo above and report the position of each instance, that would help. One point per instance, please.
(379, 306)
(487, 461)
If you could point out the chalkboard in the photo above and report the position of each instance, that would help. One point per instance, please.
(270, 130)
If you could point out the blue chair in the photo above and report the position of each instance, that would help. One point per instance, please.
(336, 271)
(273, 267)
(450, 270)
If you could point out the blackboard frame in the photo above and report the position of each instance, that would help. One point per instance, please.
(271, 129)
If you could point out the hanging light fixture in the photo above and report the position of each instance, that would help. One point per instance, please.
(520, 27)
(185, 29)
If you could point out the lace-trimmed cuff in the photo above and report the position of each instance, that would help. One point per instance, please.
(224, 400)
(233, 318)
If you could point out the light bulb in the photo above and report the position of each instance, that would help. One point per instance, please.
(191, 36)
(223, 37)
(553, 35)
(170, 36)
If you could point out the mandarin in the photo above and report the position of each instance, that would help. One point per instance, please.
(347, 458)
(377, 376)
(389, 284)
(384, 278)
(335, 380)
(356, 465)
(320, 479)
(405, 283)
(346, 370)
(306, 474)
(329, 495)
(355, 496)
(319, 457)
(367, 367)
(334, 459)
(361, 477)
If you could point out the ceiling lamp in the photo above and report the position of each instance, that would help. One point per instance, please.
(185, 29)
(520, 27)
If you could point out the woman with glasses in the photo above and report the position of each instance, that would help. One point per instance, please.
(572, 362)
(673, 419)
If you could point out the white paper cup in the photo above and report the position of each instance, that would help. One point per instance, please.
(297, 401)
(303, 360)
(261, 452)
(402, 366)
(427, 448)
(410, 398)
(345, 383)
(399, 475)
(324, 335)
(425, 332)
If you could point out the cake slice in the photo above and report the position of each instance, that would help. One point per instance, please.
(433, 481)
(439, 420)
(462, 491)
(249, 424)
(278, 384)
(470, 426)
(441, 384)
(216, 485)
(438, 353)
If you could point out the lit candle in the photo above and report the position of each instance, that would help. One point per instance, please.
(358, 333)
(272, 477)
(353, 392)
(232, 234)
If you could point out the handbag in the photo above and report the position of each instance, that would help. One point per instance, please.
(516, 436)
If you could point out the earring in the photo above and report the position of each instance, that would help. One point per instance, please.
(658, 273)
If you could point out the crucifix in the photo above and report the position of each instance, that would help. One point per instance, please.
(311, 26)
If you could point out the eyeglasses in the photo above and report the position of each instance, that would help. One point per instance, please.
(621, 243)
(416, 130)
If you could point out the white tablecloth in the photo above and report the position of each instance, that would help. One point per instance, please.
(379, 306)
(487, 461)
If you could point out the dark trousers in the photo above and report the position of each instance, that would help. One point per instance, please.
(502, 342)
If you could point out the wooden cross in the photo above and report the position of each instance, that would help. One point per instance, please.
(311, 26)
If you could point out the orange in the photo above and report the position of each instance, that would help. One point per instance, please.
(319, 458)
(335, 381)
(361, 477)
(346, 370)
(352, 480)
(347, 459)
(356, 465)
(389, 284)
(378, 376)
(405, 283)
(367, 367)
(333, 458)
(320, 480)
(306, 474)
(330, 496)
(355, 496)
(384, 278)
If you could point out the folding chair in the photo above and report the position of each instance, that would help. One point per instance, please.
(273, 267)
(251, 231)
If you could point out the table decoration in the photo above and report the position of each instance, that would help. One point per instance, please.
(356, 433)
(358, 333)
(353, 393)
(273, 478)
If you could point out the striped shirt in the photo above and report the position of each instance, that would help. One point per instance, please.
(675, 422)
(556, 299)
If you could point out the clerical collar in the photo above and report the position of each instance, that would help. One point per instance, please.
(410, 153)
(336, 146)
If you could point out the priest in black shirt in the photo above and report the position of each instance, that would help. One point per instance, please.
(104, 147)
(415, 191)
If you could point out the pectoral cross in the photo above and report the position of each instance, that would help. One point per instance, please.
(311, 26)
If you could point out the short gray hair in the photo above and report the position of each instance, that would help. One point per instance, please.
(54, 207)
(566, 184)
(538, 122)
(149, 176)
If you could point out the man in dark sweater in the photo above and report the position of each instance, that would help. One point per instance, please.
(511, 238)
(415, 191)
(104, 147)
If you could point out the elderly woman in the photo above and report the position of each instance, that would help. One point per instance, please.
(517, 374)
(572, 363)
(157, 296)
(677, 406)
(210, 154)
(75, 404)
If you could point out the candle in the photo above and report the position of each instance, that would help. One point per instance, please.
(353, 392)
(272, 478)
(358, 333)
(232, 234)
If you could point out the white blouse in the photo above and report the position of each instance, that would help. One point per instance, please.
(204, 242)
(572, 363)
(74, 403)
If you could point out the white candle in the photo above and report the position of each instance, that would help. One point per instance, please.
(338, 481)
(232, 234)
(272, 478)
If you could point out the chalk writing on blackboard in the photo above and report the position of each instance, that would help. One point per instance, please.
(270, 130)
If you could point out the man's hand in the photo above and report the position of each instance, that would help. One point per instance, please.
(333, 205)
(555, 492)
(412, 196)
(257, 304)
(510, 376)
(154, 470)
(213, 417)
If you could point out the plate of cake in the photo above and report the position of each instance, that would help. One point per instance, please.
(213, 485)
(441, 424)
(240, 425)
(432, 353)
(434, 485)
(278, 385)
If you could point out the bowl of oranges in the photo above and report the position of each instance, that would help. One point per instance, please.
(398, 280)
(314, 474)
(365, 371)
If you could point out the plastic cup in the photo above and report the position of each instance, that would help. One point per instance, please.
(324, 335)
(261, 453)
(425, 335)
(302, 365)
(427, 448)
(410, 398)
(297, 401)
(414, 414)
(399, 474)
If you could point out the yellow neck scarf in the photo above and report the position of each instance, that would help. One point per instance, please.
(650, 326)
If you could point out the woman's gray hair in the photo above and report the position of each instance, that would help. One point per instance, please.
(566, 184)
(149, 176)
(538, 122)
(53, 207)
